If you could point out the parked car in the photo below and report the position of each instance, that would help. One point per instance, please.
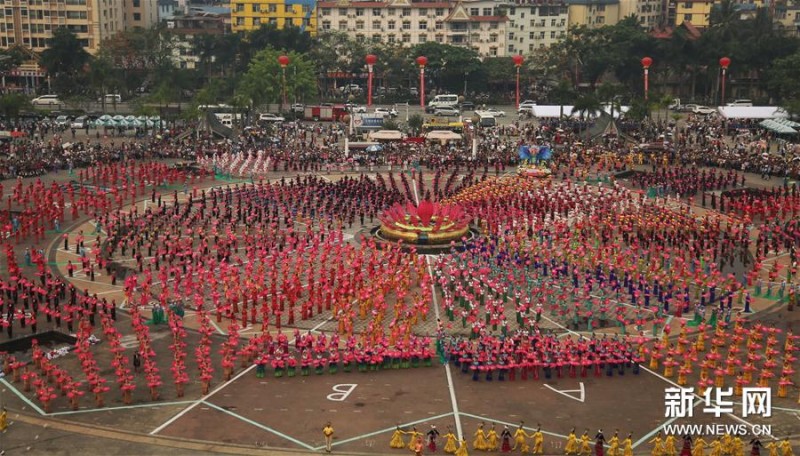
(62, 121)
(350, 88)
(413, 91)
(269, 117)
(526, 106)
(354, 108)
(703, 110)
(298, 108)
(386, 112)
(467, 106)
(47, 100)
(447, 112)
(80, 122)
(110, 98)
(741, 102)
(687, 107)
(492, 112)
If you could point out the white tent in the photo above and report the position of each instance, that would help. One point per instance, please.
(385, 135)
(550, 111)
(442, 135)
(618, 111)
(752, 112)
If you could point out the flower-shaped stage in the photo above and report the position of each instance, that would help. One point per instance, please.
(426, 224)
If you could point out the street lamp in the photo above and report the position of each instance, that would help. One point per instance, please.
(646, 62)
(284, 62)
(422, 61)
(371, 59)
(517, 63)
(724, 62)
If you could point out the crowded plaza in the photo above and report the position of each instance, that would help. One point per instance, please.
(281, 261)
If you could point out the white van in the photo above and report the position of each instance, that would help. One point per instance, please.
(444, 101)
(741, 102)
(110, 98)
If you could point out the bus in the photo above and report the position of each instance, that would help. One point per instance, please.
(442, 124)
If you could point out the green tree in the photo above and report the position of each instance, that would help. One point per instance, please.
(415, 122)
(263, 83)
(562, 94)
(783, 81)
(12, 103)
(64, 62)
(448, 65)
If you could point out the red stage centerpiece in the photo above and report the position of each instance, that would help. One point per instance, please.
(427, 223)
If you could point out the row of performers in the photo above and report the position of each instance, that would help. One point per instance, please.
(287, 362)
(540, 360)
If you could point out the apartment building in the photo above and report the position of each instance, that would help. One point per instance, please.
(651, 13)
(536, 25)
(140, 13)
(476, 24)
(183, 29)
(30, 23)
(594, 13)
(251, 14)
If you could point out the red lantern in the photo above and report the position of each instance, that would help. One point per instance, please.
(422, 60)
(724, 62)
(517, 60)
(283, 60)
(371, 59)
(646, 62)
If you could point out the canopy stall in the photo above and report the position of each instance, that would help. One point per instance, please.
(752, 112)
(553, 111)
(778, 127)
(386, 135)
(442, 135)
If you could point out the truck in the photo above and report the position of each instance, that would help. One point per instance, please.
(325, 112)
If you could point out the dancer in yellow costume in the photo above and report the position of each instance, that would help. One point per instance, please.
(786, 448)
(480, 439)
(658, 445)
(538, 440)
(450, 445)
(716, 447)
(412, 442)
(397, 439)
(669, 446)
(586, 445)
(613, 444)
(773, 448)
(627, 446)
(519, 439)
(699, 446)
(491, 439)
(572, 443)
(726, 444)
(738, 446)
(462, 448)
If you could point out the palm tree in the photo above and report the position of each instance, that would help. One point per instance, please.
(587, 105)
(562, 93)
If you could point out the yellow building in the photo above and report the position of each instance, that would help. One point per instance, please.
(593, 13)
(698, 12)
(251, 14)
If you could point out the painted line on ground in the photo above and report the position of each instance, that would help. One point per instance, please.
(123, 407)
(22, 396)
(258, 425)
(646, 438)
(382, 431)
(448, 373)
(198, 402)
